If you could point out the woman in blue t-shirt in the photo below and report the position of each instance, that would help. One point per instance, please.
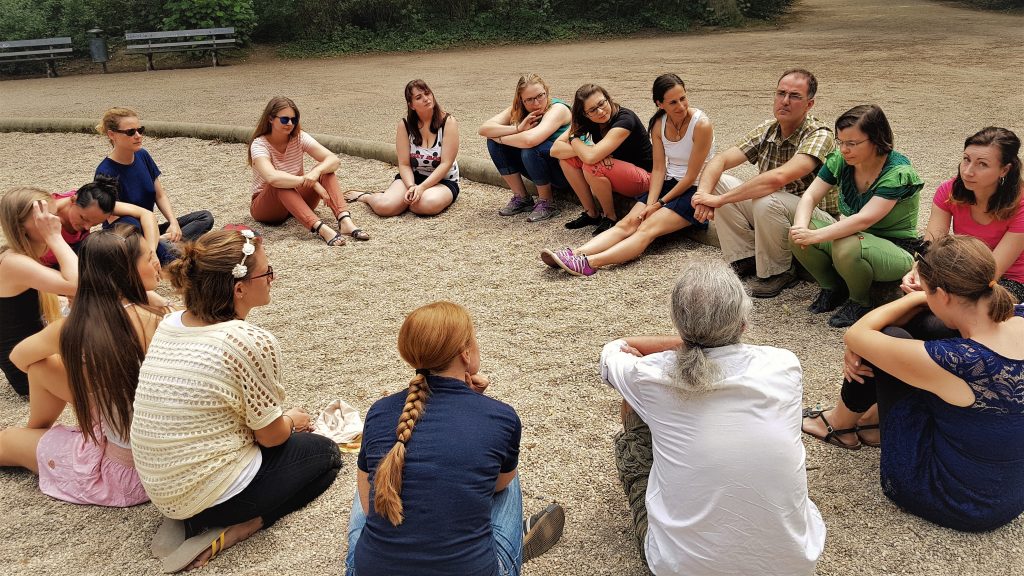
(605, 150)
(519, 140)
(443, 497)
(139, 182)
(951, 411)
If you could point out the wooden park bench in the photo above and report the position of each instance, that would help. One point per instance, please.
(149, 43)
(48, 49)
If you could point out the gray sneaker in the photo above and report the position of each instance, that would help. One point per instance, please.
(517, 205)
(542, 210)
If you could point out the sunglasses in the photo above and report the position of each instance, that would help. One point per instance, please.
(131, 131)
(286, 120)
(269, 273)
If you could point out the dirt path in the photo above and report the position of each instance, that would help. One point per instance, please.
(336, 314)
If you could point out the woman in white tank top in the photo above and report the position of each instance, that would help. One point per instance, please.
(683, 140)
(426, 143)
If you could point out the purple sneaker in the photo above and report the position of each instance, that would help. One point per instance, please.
(542, 210)
(576, 265)
(551, 257)
(517, 205)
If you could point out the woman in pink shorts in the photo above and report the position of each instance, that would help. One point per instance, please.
(606, 149)
(110, 326)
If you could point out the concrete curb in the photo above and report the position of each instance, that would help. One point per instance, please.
(473, 169)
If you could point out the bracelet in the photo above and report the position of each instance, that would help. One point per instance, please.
(292, 420)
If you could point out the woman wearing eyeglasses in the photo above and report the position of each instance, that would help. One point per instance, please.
(280, 185)
(218, 454)
(873, 241)
(519, 140)
(426, 144)
(139, 182)
(684, 141)
(606, 149)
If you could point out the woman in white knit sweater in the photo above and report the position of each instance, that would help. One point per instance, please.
(213, 445)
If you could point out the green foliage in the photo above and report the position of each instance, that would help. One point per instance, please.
(763, 9)
(31, 19)
(189, 14)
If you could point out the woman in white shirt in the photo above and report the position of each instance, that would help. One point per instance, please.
(711, 455)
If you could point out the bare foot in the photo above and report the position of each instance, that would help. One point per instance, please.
(355, 195)
(816, 427)
(233, 535)
(328, 234)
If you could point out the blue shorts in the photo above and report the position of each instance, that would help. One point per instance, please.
(450, 184)
(680, 204)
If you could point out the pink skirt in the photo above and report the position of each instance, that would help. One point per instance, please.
(74, 469)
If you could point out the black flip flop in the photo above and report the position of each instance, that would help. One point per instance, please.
(831, 437)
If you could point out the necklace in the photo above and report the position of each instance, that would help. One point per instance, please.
(679, 127)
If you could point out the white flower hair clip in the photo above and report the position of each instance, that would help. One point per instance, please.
(240, 269)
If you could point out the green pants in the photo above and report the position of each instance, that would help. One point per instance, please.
(858, 260)
(634, 456)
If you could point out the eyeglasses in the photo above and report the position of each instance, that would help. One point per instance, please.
(794, 96)
(536, 99)
(269, 273)
(131, 131)
(286, 120)
(849, 143)
(600, 106)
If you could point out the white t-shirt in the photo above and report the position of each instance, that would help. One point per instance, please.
(728, 490)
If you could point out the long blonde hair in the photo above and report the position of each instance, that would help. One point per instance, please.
(430, 339)
(518, 108)
(15, 209)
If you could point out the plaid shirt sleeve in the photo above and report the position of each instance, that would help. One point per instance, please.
(819, 143)
(751, 144)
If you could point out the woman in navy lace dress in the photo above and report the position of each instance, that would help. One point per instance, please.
(951, 411)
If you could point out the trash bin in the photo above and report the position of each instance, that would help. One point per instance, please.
(98, 47)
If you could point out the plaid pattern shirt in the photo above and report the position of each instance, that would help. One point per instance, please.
(765, 147)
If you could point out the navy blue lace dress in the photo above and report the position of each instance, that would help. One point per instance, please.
(962, 468)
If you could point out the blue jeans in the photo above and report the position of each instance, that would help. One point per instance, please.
(506, 527)
(193, 225)
(535, 163)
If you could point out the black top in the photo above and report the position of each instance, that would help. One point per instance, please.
(19, 318)
(636, 148)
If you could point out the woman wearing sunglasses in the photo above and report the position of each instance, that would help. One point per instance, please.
(426, 144)
(139, 182)
(280, 185)
(519, 140)
(606, 149)
(218, 453)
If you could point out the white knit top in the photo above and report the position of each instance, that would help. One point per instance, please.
(202, 391)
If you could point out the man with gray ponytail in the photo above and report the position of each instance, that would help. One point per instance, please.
(710, 456)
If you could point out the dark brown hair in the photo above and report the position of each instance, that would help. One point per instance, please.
(263, 126)
(1004, 204)
(100, 332)
(662, 84)
(964, 266)
(581, 123)
(412, 120)
(812, 82)
(203, 274)
(870, 120)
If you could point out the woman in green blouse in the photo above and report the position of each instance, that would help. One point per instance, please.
(879, 193)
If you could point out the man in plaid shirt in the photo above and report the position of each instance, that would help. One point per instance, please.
(753, 217)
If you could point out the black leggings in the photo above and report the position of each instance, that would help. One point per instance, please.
(291, 476)
(883, 389)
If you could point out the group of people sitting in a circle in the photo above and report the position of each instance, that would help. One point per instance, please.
(185, 407)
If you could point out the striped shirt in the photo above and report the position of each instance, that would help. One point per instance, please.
(765, 147)
(290, 161)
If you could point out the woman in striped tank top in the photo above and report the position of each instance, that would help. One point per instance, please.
(426, 143)
(280, 185)
(683, 139)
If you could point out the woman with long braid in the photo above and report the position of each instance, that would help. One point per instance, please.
(453, 462)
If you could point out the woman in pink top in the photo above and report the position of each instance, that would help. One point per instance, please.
(280, 185)
(985, 200)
